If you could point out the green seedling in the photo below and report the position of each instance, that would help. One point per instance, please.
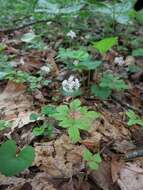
(93, 160)
(134, 119)
(75, 118)
(108, 83)
(43, 130)
(78, 60)
(12, 163)
(23, 77)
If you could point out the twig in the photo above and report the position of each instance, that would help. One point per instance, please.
(9, 30)
(134, 154)
(126, 105)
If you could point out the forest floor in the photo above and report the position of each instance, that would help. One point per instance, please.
(58, 163)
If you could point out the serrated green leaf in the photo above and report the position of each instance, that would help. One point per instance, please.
(106, 44)
(74, 134)
(12, 164)
(101, 92)
(63, 109)
(112, 82)
(75, 104)
(48, 110)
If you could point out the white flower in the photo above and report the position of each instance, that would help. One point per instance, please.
(70, 85)
(76, 62)
(71, 34)
(119, 60)
(45, 69)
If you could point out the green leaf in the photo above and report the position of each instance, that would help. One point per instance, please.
(97, 158)
(106, 44)
(138, 52)
(75, 104)
(4, 124)
(38, 131)
(87, 155)
(48, 110)
(101, 92)
(134, 119)
(79, 54)
(112, 82)
(91, 64)
(74, 134)
(93, 165)
(63, 109)
(66, 122)
(12, 164)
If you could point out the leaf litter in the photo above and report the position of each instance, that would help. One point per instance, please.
(58, 164)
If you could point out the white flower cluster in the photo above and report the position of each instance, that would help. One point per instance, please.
(70, 85)
(71, 34)
(45, 69)
(119, 60)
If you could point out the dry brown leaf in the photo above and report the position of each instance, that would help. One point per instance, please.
(59, 158)
(131, 177)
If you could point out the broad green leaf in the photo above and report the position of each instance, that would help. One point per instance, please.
(11, 163)
(138, 52)
(101, 92)
(106, 44)
(74, 134)
(87, 155)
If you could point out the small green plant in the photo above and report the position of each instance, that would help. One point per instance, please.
(108, 83)
(43, 130)
(46, 129)
(75, 118)
(12, 163)
(93, 160)
(134, 119)
(23, 77)
(105, 44)
(4, 124)
(33, 41)
(78, 60)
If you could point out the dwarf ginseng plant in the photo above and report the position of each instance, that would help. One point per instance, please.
(75, 118)
(93, 160)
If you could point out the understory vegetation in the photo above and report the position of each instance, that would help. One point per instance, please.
(71, 94)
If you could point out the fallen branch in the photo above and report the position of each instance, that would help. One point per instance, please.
(9, 30)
